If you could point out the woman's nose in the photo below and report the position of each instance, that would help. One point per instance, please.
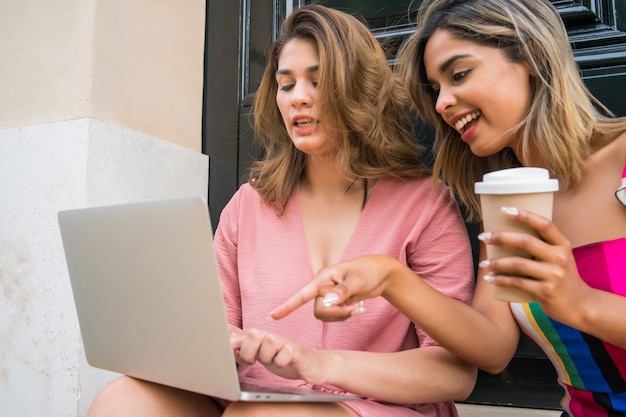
(444, 100)
(302, 95)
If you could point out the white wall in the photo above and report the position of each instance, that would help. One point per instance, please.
(44, 169)
(100, 102)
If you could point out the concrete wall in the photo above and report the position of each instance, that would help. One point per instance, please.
(100, 103)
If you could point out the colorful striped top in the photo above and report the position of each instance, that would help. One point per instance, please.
(592, 371)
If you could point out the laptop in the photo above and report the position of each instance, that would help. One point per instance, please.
(149, 301)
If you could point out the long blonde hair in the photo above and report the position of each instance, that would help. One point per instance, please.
(359, 97)
(562, 122)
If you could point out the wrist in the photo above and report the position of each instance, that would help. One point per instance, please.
(332, 363)
(392, 278)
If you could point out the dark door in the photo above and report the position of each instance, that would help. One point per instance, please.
(237, 35)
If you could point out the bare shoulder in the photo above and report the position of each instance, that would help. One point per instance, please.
(591, 201)
(620, 142)
(604, 167)
(613, 154)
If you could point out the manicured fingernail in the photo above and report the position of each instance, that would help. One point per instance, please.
(359, 310)
(484, 236)
(269, 316)
(330, 299)
(510, 210)
(488, 278)
(483, 264)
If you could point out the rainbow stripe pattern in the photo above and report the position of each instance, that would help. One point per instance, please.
(592, 372)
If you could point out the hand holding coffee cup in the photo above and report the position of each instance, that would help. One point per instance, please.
(525, 188)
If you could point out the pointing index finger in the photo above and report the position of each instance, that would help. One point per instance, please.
(305, 294)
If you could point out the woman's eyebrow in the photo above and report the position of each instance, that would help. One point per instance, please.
(310, 69)
(448, 62)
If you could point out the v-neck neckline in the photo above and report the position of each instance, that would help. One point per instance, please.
(295, 209)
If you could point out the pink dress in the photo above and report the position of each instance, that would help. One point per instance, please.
(263, 259)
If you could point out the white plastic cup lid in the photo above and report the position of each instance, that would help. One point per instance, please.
(517, 181)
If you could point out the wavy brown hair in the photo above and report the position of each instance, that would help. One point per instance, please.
(358, 96)
(564, 119)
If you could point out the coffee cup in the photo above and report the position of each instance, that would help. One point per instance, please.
(526, 188)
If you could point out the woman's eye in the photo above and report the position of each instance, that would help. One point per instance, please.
(458, 76)
(285, 87)
(314, 83)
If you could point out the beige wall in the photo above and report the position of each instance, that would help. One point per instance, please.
(136, 64)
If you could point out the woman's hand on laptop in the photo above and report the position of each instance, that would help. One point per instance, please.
(235, 336)
(282, 356)
(339, 290)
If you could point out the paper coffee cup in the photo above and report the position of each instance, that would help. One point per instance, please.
(525, 188)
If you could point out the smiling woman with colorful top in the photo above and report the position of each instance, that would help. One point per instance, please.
(498, 81)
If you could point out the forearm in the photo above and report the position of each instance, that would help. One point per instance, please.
(485, 335)
(602, 315)
(421, 375)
